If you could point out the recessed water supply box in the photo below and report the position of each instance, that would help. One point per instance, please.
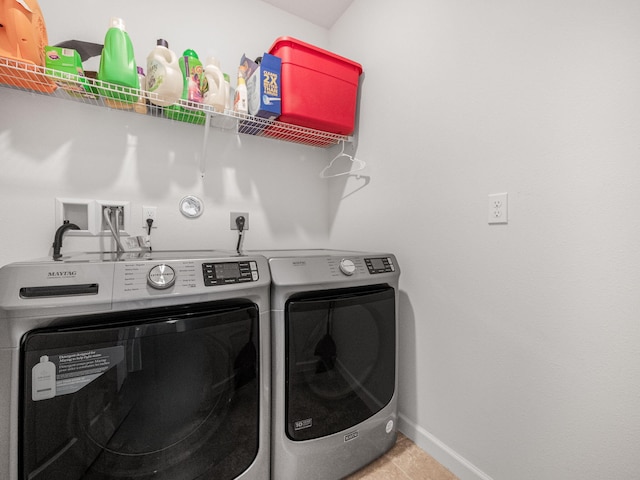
(78, 211)
(119, 211)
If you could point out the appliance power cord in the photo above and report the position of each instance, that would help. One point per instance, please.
(240, 224)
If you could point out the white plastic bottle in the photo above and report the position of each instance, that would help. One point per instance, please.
(213, 85)
(141, 105)
(164, 77)
(227, 88)
(240, 101)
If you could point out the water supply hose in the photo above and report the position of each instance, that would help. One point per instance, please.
(116, 235)
(120, 249)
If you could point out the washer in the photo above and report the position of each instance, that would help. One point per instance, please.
(136, 366)
(334, 377)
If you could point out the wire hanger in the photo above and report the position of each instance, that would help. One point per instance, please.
(360, 164)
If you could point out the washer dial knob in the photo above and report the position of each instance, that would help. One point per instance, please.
(161, 276)
(347, 266)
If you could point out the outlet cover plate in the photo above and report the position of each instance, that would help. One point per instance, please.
(232, 220)
(498, 212)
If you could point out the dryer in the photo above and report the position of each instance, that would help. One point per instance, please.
(135, 366)
(334, 361)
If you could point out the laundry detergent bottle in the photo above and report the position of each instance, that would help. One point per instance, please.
(213, 85)
(118, 65)
(164, 78)
(192, 72)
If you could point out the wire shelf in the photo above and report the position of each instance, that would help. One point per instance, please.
(26, 76)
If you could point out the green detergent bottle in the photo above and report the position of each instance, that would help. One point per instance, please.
(118, 65)
(192, 73)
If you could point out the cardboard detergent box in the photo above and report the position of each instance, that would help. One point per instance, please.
(65, 65)
(263, 94)
(263, 88)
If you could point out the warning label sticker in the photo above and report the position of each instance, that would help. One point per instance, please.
(75, 370)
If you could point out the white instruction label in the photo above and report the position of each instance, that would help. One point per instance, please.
(73, 371)
(43, 380)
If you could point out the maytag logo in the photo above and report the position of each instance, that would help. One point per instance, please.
(351, 436)
(61, 274)
(299, 263)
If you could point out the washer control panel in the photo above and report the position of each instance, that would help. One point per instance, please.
(225, 273)
(133, 280)
(379, 265)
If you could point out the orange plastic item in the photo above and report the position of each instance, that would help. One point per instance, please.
(23, 36)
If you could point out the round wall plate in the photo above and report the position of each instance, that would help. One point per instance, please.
(191, 206)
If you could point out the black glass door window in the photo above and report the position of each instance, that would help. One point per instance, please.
(163, 394)
(340, 359)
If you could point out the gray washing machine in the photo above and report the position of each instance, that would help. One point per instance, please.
(135, 366)
(334, 360)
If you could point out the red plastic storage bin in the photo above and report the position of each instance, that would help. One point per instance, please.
(318, 88)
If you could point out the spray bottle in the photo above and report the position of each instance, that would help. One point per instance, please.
(240, 101)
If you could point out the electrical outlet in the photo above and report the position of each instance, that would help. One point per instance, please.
(149, 213)
(232, 220)
(498, 208)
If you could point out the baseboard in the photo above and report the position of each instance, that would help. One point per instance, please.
(456, 463)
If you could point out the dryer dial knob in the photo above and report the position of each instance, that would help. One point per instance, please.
(161, 276)
(347, 266)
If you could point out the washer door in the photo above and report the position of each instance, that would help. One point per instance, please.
(340, 358)
(171, 395)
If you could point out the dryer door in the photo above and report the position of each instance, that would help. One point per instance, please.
(340, 358)
(159, 394)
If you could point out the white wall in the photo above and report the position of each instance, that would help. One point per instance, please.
(54, 148)
(520, 350)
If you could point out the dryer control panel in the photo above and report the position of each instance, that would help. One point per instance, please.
(380, 265)
(225, 273)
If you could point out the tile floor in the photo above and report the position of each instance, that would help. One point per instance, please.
(405, 461)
